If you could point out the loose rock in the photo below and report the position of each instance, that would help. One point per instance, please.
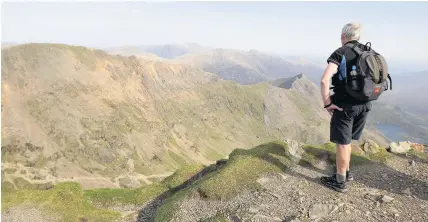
(407, 191)
(318, 211)
(393, 210)
(386, 199)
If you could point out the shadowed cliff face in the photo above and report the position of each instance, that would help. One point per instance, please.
(72, 113)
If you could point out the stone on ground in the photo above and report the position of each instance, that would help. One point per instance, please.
(400, 147)
(318, 211)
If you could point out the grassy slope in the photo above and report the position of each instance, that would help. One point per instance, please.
(242, 170)
(73, 203)
(138, 196)
(67, 199)
(239, 173)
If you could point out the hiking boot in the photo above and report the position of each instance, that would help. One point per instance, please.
(331, 182)
(349, 176)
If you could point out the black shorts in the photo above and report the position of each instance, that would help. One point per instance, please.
(348, 125)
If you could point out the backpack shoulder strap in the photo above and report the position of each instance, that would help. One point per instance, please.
(355, 48)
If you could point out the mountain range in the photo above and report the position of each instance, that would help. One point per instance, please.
(400, 113)
(243, 67)
(103, 120)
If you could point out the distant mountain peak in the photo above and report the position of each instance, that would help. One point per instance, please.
(291, 82)
(301, 75)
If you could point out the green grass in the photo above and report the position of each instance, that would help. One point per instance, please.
(381, 156)
(66, 199)
(243, 169)
(314, 153)
(240, 173)
(111, 197)
(72, 203)
(181, 175)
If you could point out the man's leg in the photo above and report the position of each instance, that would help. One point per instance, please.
(349, 148)
(343, 158)
(341, 134)
(349, 175)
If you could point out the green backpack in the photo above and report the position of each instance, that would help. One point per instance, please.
(369, 77)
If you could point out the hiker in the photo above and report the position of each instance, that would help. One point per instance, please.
(355, 83)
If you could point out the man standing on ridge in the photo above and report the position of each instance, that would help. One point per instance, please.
(348, 115)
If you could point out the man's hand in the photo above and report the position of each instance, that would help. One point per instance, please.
(333, 107)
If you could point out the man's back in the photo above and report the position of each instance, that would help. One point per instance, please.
(345, 57)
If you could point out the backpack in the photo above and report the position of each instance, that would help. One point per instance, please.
(370, 79)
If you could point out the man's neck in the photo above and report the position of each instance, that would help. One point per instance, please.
(352, 40)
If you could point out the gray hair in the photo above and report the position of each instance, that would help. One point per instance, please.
(351, 31)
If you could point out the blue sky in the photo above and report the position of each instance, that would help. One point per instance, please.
(396, 29)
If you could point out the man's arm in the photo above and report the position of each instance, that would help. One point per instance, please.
(325, 87)
(325, 82)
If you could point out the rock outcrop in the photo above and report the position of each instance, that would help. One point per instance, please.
(405, 146)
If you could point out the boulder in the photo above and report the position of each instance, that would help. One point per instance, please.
(370, 147)
(400, 147)
(295, 148)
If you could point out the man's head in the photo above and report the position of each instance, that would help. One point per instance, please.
(350, 31)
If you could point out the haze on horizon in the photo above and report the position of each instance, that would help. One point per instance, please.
(308, 29)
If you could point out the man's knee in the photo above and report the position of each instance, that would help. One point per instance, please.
(342, 146)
